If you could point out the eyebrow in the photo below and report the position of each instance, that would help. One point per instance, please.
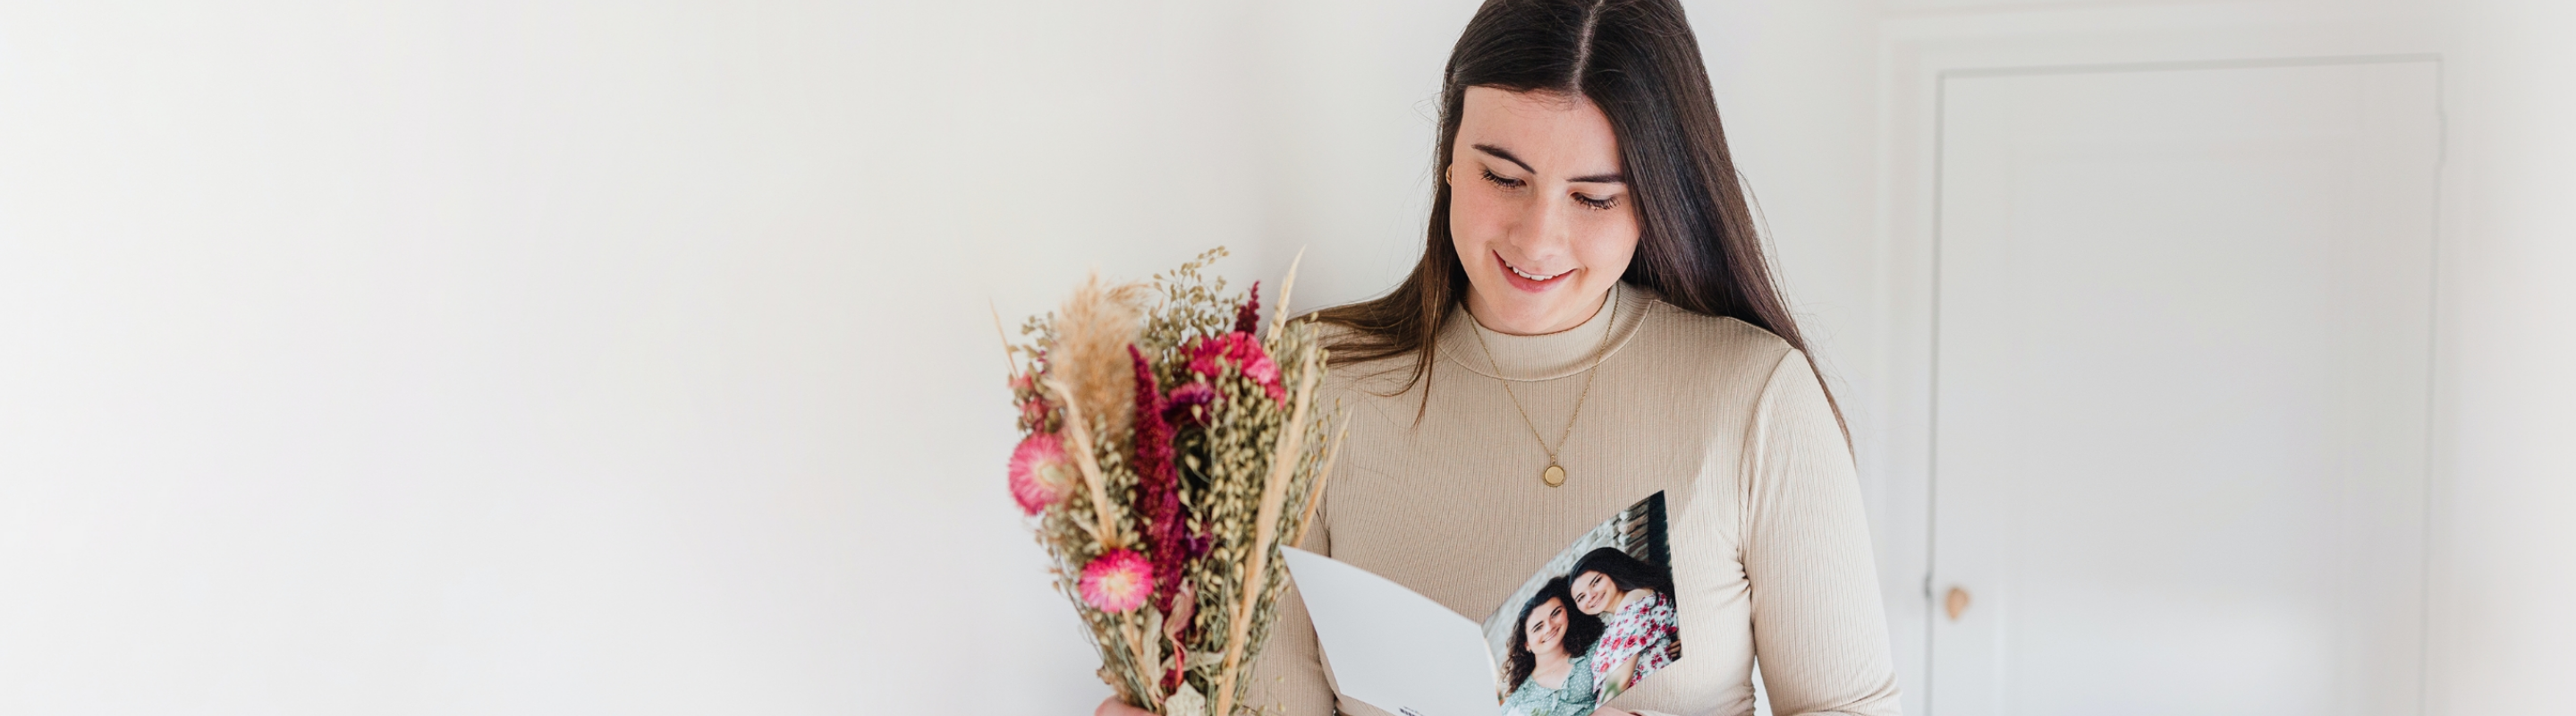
(1506, 155)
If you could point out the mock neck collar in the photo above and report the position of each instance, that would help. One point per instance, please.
(1546, 356)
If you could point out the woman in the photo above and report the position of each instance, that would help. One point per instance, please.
(1634, 598)
(1593, 320)
(1549, 673)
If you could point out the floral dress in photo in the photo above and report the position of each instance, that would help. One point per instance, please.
(1572, 698)
(1643, 628)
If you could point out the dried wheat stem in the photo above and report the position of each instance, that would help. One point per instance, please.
(1283, 462)
(1005, 333)
(1080, 432)
(1279, 315)
(1150, 663)
(1315, 496)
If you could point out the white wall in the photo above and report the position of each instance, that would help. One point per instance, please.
(560, 357)
(2505, 523)
(565, 356)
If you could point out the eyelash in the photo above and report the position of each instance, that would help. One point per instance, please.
(1514, 184)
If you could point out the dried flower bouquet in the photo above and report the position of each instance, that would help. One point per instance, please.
(1173, 446)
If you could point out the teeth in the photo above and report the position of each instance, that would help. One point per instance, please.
(1532, 276)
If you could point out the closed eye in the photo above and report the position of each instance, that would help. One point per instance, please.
(1602, 203)
(1502, 181)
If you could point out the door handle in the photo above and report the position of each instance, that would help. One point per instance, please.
(1956, 603)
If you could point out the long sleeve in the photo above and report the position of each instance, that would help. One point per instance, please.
(1819, 631)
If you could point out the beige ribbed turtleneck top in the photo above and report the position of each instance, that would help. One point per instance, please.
(1770, 546)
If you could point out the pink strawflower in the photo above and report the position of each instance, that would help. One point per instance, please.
(1041, 474)
(1117, 582)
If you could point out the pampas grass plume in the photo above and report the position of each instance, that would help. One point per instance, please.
(1093, 330)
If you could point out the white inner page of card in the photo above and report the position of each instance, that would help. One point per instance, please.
(1391, 647)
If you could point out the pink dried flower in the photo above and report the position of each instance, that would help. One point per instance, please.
(1242, 350)
(1117, 582)
(1032, 402)
(1261, 370)
(1041, 474)
(1204, 356)
(1033, 414)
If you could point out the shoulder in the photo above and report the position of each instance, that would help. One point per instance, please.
(1382, 377)
(1700, 353)
(1717, 339)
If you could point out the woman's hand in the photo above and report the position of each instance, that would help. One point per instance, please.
(1113, 707)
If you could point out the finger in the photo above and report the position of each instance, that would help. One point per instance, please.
(1113, 707)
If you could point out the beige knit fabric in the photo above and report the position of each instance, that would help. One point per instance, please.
(1771, 550)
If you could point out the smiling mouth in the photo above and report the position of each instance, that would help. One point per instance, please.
(1539, 277)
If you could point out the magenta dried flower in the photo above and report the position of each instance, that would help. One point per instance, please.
(1248, 317)
(1158, 485)
(1190, 403)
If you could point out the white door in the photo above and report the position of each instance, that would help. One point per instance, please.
(2182, 360)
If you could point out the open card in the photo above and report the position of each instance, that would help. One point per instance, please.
(1593, 621)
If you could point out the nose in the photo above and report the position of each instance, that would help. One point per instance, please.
(1546, 231)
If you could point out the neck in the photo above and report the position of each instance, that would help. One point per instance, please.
(1554, 322)
(1552, 659)
(1544, 357)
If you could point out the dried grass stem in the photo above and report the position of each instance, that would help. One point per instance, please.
(1079, 431)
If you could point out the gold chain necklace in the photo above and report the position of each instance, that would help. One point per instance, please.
(1554, 475)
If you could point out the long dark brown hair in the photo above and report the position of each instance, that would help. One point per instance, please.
(1625, 572)
(1638, 61)
(1581, 632)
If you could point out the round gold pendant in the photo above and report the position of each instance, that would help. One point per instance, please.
(1554, 476)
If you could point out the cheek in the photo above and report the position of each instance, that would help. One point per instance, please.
(1610, 241)
(1475, 217)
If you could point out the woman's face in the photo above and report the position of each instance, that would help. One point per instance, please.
(1538, 209)
(1544, 632)
(1593, 591)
